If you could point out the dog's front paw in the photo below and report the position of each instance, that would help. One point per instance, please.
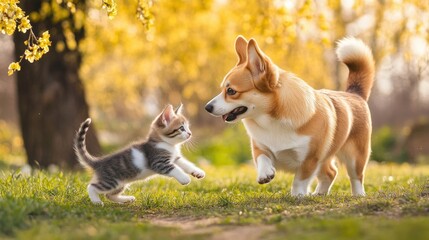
(265, 179)
(266, 176)
(198, 173)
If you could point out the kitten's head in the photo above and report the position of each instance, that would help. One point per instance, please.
(171, 126)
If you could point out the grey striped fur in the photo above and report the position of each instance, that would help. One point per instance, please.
(156, 155)
(79, 145)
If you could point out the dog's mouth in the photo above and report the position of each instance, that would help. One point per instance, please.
(231, 116)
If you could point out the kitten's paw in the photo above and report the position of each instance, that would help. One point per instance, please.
(129, 199)
(121, 199)
(184, 180)
(198, 173)
(126, 199)
(266, 176)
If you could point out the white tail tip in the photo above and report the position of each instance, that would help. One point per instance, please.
(351, 48)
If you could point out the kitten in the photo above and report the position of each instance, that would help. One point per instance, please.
(158, 154)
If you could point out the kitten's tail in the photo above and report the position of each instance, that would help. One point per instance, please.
(85, 159)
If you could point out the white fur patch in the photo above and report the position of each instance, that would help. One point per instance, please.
(357, 187)
(166, 146)
(301, 187)
(139, 159)
(278, 136)
(93, 194)
(173, 149)
(221, 107)
(352, 48)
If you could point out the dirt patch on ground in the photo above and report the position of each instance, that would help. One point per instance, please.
(183, 222)
(212, 227)
(250, 232)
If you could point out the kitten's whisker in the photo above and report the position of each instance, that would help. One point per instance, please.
(189, 145)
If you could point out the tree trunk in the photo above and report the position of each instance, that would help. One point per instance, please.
(51, 97)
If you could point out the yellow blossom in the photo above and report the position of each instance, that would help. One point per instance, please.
(13, 18)
(44, 42)
(24, 25)
(13, 67)
(110, 6)
(10, 27)
(29, 55)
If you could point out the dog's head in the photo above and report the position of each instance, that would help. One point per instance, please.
(246, 89)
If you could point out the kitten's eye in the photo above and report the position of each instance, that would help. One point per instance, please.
(182, 128)
(230, 91)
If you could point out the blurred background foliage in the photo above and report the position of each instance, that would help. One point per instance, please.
(181, 50)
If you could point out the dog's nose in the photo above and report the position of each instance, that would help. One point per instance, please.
(209, 108)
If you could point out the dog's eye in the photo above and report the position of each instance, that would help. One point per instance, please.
(230, 91)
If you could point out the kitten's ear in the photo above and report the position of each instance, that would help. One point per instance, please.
(165, 117)
(179, 109)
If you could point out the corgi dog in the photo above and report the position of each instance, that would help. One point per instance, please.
(295, 128)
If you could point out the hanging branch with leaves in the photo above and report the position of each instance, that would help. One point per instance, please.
(12, 19)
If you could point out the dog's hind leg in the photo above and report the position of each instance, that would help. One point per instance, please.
(355, 157)
(304, 176)
(326, 177)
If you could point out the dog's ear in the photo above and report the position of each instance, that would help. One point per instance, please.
(255, 61)
(264, 75)
(241, 49)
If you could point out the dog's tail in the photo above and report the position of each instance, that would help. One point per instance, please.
(358, 58)
(85, 159)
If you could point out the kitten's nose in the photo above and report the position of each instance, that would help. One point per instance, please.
(209, 108)
(188, 135)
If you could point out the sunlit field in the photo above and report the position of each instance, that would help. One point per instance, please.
(227, 203)
(121, 63)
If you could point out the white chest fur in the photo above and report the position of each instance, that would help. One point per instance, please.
(174, 150)
(278, 136)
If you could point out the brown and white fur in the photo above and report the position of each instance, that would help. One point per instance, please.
(296, 128)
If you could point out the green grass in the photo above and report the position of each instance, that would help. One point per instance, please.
(56, 206)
